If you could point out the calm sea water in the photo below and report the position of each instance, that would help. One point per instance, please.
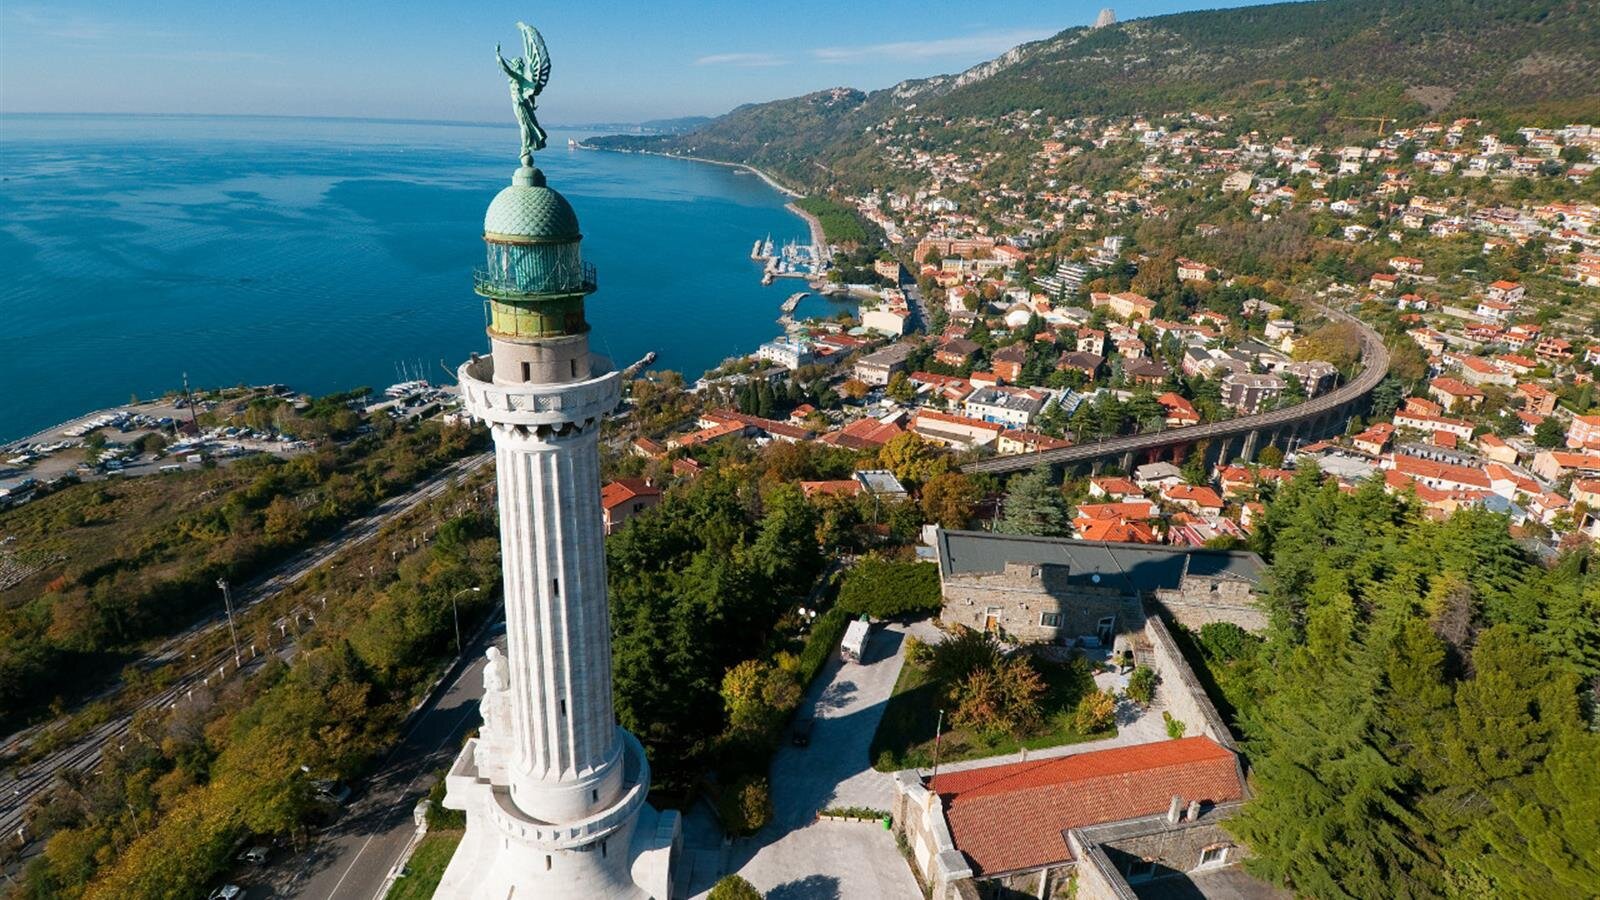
(322, 253)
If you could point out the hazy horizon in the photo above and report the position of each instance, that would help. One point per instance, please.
(627, 62)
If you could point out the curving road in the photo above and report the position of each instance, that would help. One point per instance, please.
(1375, 359)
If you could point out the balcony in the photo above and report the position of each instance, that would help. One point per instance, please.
(526, 278)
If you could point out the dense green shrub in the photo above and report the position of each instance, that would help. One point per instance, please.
(1175, 727)
(826, 632)
(884, 588)
(1142, 685)
(745, 806)
(733, 887)
(1095, 712)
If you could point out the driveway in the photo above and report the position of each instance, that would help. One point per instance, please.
(797, 857)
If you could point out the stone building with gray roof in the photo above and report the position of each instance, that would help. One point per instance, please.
(1042, 589)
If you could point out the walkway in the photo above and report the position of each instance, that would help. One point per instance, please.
(797, 857)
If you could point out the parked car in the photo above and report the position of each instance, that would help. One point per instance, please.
(227, 892)
(255, 856)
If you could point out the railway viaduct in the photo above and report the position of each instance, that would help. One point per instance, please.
(1240, 438)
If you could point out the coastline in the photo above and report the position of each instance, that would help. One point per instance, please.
(771, 181)
(818, 239)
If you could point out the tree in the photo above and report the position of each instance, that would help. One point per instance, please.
(948, 499)
(1094, 713)
(733, 887)
(912, 460)
(854, 388)
(1270, 456)
(883, 588)
(1549, 433)
(285, 522)
(900, 388)
(1335, 342)
(1000, 699)
(1034, 505)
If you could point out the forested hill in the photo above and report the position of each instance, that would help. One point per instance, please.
(1305, 65)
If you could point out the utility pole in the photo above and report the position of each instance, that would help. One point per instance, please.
(227, 602)
(938, 730)
(188, 399)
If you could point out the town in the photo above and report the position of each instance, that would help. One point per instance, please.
(1166, 505)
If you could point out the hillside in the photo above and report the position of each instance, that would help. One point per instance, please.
(1302, 67)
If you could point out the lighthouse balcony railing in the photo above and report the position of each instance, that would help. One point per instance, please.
(516, 282)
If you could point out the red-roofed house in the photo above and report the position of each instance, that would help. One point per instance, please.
(1180, 412)
(1477, 371)
(1375, 439)
(862, 434)
(1584, 432)
(1026, 825)
(1114, 486)
(1506, 291)
(1455, 395)
(1195, 498)
(625, 498)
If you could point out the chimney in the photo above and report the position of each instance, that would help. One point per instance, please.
(1193, 812)
(1175, 810)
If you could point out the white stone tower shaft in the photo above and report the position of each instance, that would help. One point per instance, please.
(553, 789)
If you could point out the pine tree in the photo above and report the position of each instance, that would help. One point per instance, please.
(1034, 505)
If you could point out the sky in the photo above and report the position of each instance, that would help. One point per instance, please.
(613, 60)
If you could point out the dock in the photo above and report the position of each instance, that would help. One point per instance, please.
(789, 306)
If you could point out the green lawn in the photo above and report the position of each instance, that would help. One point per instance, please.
(905, 735)
(426, 866)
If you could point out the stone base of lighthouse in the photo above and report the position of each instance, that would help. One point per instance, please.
(624, 851)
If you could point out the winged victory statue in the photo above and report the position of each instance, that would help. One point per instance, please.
(528, 75)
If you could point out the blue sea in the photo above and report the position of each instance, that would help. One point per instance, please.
(331, 253)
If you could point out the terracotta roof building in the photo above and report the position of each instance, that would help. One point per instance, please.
(1010, 817)
(625, 498)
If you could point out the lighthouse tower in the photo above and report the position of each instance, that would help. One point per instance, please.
(554, 790)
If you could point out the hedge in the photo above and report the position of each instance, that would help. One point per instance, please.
(884, 588)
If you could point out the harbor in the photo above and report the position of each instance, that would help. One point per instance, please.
(792, 260)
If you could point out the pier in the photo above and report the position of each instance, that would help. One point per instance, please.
(789, 306)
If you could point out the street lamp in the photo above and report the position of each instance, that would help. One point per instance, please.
(456, 612)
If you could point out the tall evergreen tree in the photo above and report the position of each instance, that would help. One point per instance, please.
(1034, 505)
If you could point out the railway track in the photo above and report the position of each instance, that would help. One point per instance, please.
(21, 785)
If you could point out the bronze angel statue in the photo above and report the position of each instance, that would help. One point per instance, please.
(528, 74)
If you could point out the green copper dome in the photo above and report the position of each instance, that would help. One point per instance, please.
(528, 209)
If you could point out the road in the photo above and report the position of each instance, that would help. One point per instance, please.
(18, 787)
(1373, 354)
(353, 857)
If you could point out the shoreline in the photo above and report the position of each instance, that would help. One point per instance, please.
(818, 238)
(771, 181)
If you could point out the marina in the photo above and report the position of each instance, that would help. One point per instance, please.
(792, 260)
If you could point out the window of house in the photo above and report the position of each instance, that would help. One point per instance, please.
(1213, 856)
(574, 368)
(1050, 619)
(527, 372)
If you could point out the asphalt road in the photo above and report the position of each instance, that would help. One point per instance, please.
(18, 787)
(353, 857)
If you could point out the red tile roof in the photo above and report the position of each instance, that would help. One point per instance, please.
(622, 490)
(1011, 817)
